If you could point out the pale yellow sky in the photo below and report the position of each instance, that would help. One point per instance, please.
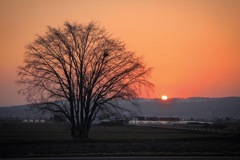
(193, 45)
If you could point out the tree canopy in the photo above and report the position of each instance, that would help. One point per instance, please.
(78, 71)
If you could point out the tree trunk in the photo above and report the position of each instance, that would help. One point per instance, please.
(80, 133)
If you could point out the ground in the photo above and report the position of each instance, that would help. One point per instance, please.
(53, 139)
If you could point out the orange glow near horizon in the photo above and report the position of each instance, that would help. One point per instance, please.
(192, 46)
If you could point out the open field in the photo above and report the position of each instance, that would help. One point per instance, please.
(53, 139)
(134, 133)
(23, 132)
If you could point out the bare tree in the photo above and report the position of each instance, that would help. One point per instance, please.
(79, 70)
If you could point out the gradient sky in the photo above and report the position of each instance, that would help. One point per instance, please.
(192, 45)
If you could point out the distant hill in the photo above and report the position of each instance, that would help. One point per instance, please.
(194, 107)
(21, 112)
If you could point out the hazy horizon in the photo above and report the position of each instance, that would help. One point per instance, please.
(152, 98)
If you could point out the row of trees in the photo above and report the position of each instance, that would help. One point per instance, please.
(78, 71)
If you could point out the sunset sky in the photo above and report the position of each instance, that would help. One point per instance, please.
(192, 45)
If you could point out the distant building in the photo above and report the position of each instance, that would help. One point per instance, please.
(42, 121)
(155, 120)
(33, 121)
(25, 121)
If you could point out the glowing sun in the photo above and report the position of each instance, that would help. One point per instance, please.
(164, 97)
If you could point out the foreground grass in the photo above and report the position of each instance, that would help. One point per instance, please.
(49, 139)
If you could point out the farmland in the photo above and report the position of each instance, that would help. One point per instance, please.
(27, 132)
(54, 139)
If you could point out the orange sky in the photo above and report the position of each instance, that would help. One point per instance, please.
(192, 45)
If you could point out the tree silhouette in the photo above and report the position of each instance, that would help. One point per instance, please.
(78, 71)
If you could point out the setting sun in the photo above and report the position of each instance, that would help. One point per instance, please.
(164, 97)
